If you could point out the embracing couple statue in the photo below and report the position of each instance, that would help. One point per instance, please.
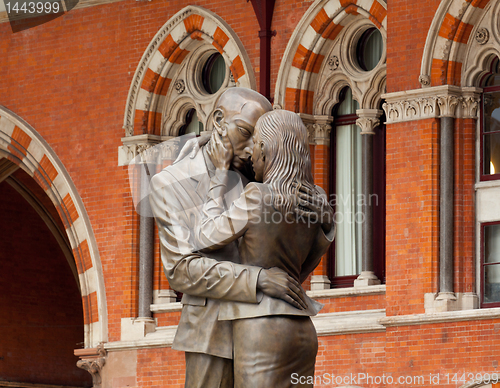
(238, 245)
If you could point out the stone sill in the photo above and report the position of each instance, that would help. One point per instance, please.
(349, 322)
(345, 292)
(487, 184)
(162, 337)
(166, 307)
(447, 316)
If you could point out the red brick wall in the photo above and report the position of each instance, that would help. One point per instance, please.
(162, 367)
(41, 319)
(412, 234)
(287, 14)
(465, 143)
(447, 348)
(342, 355)
(353, 303)
(69, 79)
(407, 27)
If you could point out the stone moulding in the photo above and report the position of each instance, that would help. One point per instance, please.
(433, 102)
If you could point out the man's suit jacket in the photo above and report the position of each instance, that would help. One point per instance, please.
(177, 197)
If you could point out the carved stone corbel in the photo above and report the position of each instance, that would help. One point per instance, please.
(92, 360)
(368, 120)
(168, 151)
(322, 134)
(311, 133)
(470, 107)
(318, 128)
(432, 102)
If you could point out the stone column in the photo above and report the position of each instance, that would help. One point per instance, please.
(146, 233)
(368, 120)
(319, 129)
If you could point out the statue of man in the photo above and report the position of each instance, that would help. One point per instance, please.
(177, 197)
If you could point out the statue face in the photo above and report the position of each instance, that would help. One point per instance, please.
(258, 158)
(240, 129)
(238, 112)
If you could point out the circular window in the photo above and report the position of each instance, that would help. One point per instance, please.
(369, 49)
(214, 73)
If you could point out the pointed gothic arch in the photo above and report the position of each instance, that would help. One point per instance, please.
(155, 78)
(22, 145)
(309, 57)
(462, 36)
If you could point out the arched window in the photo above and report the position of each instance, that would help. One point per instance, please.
(346, 188)
(490, 124)
(192, 125)
(490, 170)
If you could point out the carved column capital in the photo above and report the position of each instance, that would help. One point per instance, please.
(318, 128)
(368, 120)
(311, 133)
(92, 360)
(432, 102)
(322, 134)
(448, 104)
(142, 148)
(169, 150)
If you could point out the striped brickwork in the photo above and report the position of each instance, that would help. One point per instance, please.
(450, 46)
(328, 19)
(23, 146)
(183, 33)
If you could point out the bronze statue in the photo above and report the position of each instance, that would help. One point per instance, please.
(207, 279)
(272, 339)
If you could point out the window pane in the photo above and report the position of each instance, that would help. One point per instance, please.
(492, 244)
(217, 74)
(491, 103)
(348, 205)
(372, 50)
(214, 73)
(491, 153)
(492, 283)
(194, 126)
(348, 106)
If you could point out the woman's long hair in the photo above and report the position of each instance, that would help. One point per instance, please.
(288, 159)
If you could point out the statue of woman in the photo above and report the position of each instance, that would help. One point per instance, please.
(272, 339)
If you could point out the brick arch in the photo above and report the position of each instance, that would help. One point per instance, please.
(310, 42)
(185, 31)
(447, 41)
(22, 145)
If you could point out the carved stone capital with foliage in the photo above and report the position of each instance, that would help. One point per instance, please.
(433, 102)
(368, 120)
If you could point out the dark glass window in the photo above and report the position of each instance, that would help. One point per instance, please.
(214, 73)
(490, 124)
(369, 49)
(346, 194)
(192, 125)
(490, 244)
